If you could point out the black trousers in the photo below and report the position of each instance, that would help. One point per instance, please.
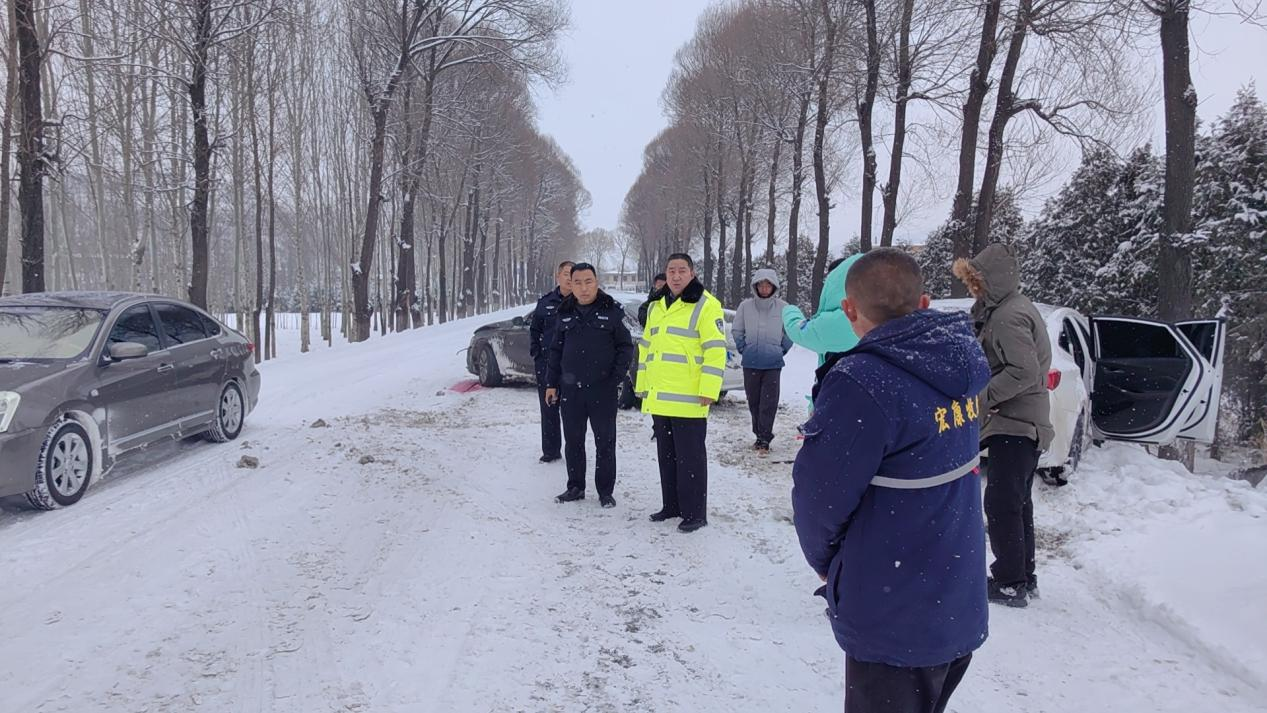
(762, 389)
(880, 688)
(551, 435)
(1009, 507)
(595, 407)
(683, 458)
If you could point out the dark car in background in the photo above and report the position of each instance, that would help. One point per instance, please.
(87, 377)
(499, 353)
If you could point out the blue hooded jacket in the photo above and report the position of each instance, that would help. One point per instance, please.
(886, 497)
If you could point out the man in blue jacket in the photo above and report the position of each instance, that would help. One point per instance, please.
(886, 498)
(541, 336)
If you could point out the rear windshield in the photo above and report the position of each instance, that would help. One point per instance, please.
(46, 333)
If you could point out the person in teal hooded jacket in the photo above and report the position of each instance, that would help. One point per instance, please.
(828, 330)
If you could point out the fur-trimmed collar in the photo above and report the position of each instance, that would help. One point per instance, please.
(692, 293)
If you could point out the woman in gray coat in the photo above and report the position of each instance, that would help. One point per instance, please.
(759, 336)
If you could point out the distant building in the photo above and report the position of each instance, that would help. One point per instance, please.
(616, 280)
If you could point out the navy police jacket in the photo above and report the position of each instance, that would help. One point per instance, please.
(592, 346)
(541, 330)
(887, 497)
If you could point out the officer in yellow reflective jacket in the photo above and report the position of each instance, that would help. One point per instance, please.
(681, 361)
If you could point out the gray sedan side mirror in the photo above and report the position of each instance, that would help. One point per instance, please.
(517, 322)
(124, 351)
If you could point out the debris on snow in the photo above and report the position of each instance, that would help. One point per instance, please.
(249, 462)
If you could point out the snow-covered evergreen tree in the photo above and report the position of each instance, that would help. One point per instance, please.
(1230, 270)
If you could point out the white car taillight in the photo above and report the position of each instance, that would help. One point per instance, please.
(8, 408)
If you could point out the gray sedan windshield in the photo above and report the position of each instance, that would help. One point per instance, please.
(34, 333)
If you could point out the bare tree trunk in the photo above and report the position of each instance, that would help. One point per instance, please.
(1004, 110)
(772, 206)
(94, 145)
(708, 233)
(30, 146)
(721, 221)
(198, 238)
(257, 171)
(865, 109)
(361, 268)
(903, 90)
(820, 161)
(270, 339)
(792, 293)
(978, 87)
(1174, 259)
(6, 133)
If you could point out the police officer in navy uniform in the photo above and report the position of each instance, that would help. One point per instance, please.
(590, 354)
(541, 333)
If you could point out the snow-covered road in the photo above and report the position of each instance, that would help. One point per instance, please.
(442, 577)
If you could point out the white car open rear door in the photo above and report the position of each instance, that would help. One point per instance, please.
(1209, 337)
(1150, 384)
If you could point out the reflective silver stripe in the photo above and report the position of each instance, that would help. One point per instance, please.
(655, 331)
(675, 358)
(881, 481)
(642, 367)
(644, 343)
(678, 331)
(640, 394)
(714, 344)
(680, 398)
(651, 356)
(699, 309)
(699, 360)
(712, 371)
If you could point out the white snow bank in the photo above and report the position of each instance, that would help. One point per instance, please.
(1186, 551)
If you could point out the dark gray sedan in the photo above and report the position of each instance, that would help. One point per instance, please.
(87, 377)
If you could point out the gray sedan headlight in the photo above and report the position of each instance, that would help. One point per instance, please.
(8, 407)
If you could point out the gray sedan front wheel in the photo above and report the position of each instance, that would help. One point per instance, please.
(64, 468)
(230, 415)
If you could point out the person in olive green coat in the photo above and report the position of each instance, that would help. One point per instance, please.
(1015, 412)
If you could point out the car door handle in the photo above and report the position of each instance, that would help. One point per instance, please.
(164, 368)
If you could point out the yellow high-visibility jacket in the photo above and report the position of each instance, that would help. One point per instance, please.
(682, 354)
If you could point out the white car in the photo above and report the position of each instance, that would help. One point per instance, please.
(1125, 379)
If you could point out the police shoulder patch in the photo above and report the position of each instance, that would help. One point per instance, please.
(721, 326)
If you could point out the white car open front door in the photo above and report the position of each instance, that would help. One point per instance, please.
(1150, 383)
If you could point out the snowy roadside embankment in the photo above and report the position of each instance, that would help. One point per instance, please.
(1187, 552)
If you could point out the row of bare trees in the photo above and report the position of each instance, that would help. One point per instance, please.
(378, 158)
(772, 99)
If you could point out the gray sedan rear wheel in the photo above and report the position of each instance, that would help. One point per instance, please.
(64, 468)
(230, 415)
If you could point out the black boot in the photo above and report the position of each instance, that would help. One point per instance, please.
(691, 525)
(1009, 595)
(570, 495)
(664, 515)
(607, 501)
(549, 459)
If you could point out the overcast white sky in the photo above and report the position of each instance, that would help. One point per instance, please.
(620, 53)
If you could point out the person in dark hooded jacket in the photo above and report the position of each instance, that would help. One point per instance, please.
(886, 497)
(1016, 416)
